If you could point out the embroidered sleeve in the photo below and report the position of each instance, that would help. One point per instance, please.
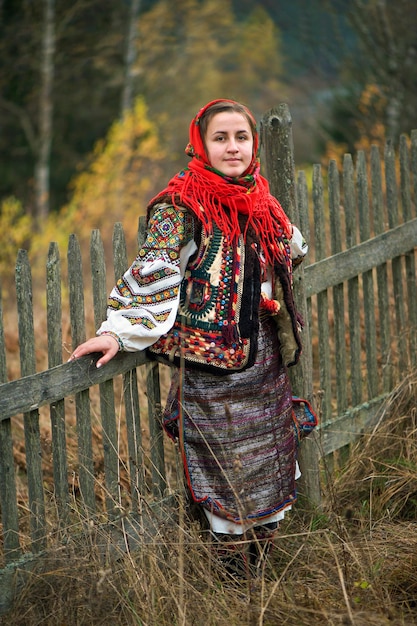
(143, 304)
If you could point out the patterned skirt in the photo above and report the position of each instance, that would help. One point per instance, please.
(237, 436)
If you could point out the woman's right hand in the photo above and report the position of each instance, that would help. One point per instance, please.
(107, 344)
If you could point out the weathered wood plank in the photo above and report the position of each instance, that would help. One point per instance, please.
(371, 371)
(410, 260)
(82, 399)
(361, 258)
(397, 261)
(130, 391)
(384, 327)
(277, 143)
(3, 363)
(134, 438)
(107, 404)
(31, 419)
(322, 298)
(302, 201)
(414, 167)
(155, 429)
(306, 358)
(340, 359)
(345, 429)
(276, 132)
(31, 392)
(277, 140)
(349, 197)
(57, 409)
(8, 495)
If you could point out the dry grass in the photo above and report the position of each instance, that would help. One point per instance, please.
(352, 563)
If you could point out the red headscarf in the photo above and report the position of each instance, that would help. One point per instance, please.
(214, 197)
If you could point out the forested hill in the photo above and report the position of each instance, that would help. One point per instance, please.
(316, 34)
(69, 71)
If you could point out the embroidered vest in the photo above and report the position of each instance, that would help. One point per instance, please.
(217, 321)
(218, 317)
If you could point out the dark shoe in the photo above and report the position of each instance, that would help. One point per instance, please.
(260, 547)
(230, 555)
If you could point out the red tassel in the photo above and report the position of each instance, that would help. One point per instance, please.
(272, 307)
(229, 333)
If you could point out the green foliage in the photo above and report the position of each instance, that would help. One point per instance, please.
(319, 521)
(114, 186)
(202, 52)
(88, 72)
(16, 229)
(376, 98)
(260, 61)
(120, 177)
(189, 51)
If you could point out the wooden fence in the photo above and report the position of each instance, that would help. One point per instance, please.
(357, 293)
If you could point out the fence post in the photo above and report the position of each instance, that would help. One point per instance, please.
(277, 142)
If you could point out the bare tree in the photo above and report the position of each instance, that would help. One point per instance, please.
(130, 56)
(42, 167)
(388, 35)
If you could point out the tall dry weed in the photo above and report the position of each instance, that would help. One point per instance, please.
(353, 562)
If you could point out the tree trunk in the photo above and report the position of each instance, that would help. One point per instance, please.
(42, 167)
(130, 56)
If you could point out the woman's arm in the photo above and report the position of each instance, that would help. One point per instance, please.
(143, 304)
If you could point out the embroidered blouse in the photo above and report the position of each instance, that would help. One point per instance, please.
(144, 303)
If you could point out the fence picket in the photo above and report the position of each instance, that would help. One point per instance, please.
(338, 290)
(277, 142)
(155, 429)
(322, 299)
(57, 409)
(349, 202)
(409, 258)
(396, 264)
(82, 399)
(413, 158)
(107, 402)
(302, 200)
(31, 419)
(414, 166)
(130, 391)
(384, 330)
(371, 371)
(8, 496)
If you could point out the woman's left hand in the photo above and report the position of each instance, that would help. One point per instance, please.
(106, 344)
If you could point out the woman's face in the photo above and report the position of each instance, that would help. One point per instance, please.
(229, 143)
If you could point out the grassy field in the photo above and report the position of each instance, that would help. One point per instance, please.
(353, 562)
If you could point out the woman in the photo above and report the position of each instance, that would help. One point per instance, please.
(211, 292)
